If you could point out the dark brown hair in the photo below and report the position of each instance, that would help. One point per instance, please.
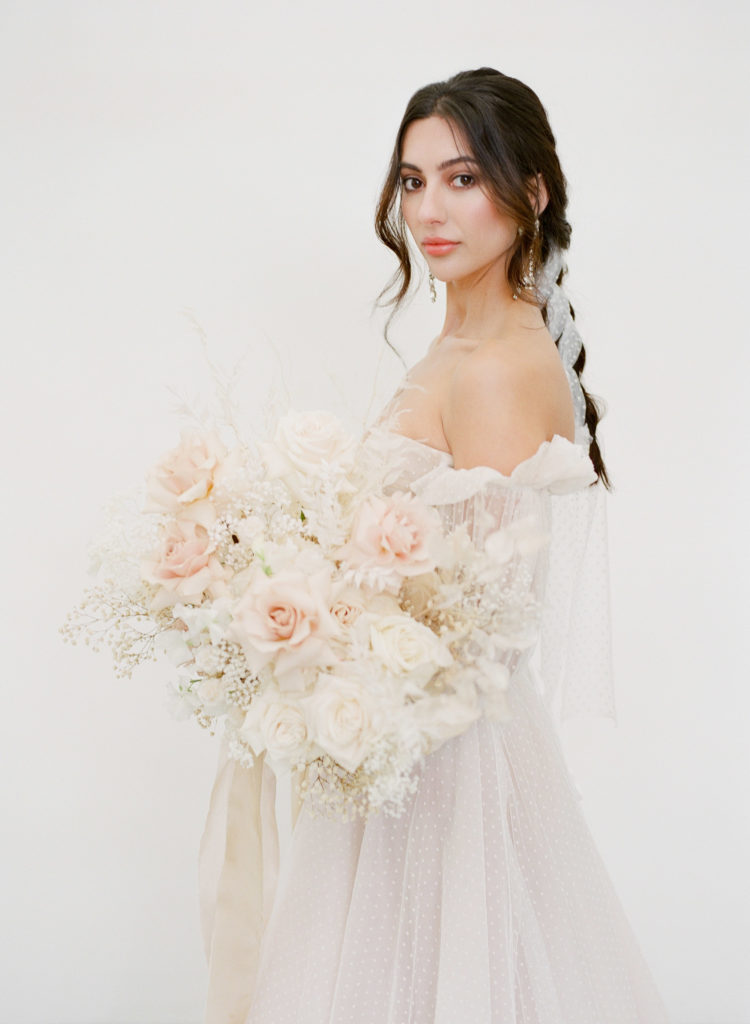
(506, 129)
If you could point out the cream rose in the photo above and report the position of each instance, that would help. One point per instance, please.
(183, 480)
(391, 538)
(285, 619)
(184, 567)
(346, 605)
(278, 726)
(344, 719)
(307, 441)
(345, 613)
(408, 648)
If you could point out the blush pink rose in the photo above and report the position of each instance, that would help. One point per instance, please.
(285, 619)
(392, 538)
(184, 567)
(186, 475)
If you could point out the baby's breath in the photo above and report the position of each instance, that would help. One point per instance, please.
(110, 617)
(250, 524)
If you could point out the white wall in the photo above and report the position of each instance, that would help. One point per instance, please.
(225, 157)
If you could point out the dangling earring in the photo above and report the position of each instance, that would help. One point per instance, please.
(433, 289)
(527, 279)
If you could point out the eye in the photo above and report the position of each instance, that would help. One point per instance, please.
(463, 180)
(410, 184)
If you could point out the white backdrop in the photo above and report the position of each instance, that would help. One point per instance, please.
(225, 157)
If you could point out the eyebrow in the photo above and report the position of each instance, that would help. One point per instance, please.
(441, 167)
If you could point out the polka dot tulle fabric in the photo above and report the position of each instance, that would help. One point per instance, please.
(485, 902)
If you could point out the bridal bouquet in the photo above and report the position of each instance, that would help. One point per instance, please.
(322, 616)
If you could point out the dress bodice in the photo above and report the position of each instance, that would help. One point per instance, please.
(558, 481)
(559, 465)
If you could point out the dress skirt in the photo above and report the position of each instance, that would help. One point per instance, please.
(486, 902)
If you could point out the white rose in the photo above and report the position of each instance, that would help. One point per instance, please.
(408, 648)
(344, 719)
(276, 725)
(308, 446)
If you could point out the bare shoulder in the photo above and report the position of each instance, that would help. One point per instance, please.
(503, 401)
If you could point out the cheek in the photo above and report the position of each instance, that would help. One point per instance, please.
(493, 230)
(408, 214)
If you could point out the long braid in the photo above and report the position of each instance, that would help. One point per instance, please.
(592, 417)
(559, 317)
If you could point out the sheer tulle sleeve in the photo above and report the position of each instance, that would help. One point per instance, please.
(575, 655)
(565, 578)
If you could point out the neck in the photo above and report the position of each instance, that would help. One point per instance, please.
(482, 308)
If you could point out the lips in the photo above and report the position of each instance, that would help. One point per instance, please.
(438, 246)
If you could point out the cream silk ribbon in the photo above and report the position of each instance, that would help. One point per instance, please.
(238, 873)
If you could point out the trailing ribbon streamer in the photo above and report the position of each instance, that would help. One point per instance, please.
(238, 871)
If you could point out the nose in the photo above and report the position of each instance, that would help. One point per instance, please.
(431, 206)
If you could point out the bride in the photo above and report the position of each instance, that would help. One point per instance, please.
(486, 901)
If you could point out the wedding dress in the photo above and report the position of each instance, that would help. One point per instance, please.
(486, 901)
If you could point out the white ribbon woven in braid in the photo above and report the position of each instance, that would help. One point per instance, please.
(561, 325)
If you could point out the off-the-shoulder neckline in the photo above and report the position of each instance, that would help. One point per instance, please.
(421, 444)
(449, 458)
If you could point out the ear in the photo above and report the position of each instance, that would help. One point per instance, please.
(538, 195)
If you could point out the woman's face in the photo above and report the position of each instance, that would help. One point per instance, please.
(455, 224)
